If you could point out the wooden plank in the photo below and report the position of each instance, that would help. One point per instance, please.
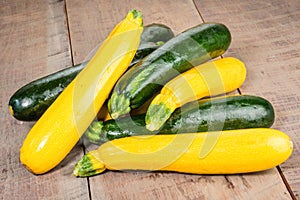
(33, 42)
(266, 37)
(156, 185)
(90, 22)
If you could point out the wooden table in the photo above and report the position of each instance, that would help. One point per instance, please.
(41, 37)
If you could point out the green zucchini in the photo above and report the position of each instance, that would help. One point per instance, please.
(156, 33)
(192, 47)
(212, 114)
(32, 100)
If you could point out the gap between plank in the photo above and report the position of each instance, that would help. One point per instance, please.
(72, 61)
(69, 32)
(202, 18)
(288, 187)
(87, 178)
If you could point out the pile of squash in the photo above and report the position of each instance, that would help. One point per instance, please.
(152, 101)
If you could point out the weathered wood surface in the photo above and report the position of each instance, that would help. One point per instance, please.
(34, 42)
(40, 37)
(91, 21)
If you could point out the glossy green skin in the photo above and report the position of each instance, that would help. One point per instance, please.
(223, 113)
(32, 100)
(156, 33)
(192, 47)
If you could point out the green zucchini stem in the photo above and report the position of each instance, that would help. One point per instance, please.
(157, 115)
(118, 105)
(89, 165)
(95, 133)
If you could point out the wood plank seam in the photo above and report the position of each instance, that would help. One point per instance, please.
(72, 60)
(69, 32)
(196, 7)
(288, 187)
(89, 188)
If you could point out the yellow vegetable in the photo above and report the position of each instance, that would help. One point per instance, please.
(209, 79)
(61, 126)
(235, 151)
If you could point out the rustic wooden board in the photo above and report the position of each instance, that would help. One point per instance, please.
(266, 37)
(156, 185)
(90, 22)
(33, 42)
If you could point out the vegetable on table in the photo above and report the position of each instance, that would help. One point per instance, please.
(60, 127)
(156, 33)
(212, 114)
(186, 50)
(236, 151)
(209, 79)
(32, 100)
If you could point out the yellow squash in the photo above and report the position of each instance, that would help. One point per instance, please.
(61, 126)
(235, 151)
(209, 79)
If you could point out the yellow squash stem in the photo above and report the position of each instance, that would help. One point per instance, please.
(209, 79)
(235, 151)
(59, 129)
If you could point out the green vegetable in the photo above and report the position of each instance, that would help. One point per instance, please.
(32, 100)
(221, 113)
(192, 47)
(156, 33)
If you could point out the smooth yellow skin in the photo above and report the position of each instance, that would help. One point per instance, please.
(235, 151)
(209, 79)
(59, 129)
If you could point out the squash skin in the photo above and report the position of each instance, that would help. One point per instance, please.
(209, 79)
(46, 145)
(30, 101)
(234, 152)
(212, 114)
(188, 49)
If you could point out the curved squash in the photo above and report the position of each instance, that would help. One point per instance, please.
(235, 151)
(29, 102)
(61, 126)
(192, 47)
(210, 114)
(209, 79)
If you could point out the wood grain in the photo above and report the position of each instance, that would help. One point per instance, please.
(173, 186)
(91, 21)
(266, 37)
(34, 42)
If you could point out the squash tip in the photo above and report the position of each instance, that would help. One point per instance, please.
(157, 115)
(11, 110)
(118, 105)
(89, 165)
(135, 15)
